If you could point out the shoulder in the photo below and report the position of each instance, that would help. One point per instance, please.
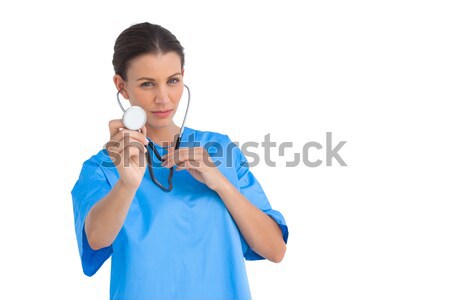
(100, 159)
(98, 168)
(99, 163)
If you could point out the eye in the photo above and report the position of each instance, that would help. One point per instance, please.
(147, 84)
(173, 81)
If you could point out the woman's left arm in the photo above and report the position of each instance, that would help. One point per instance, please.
(260, 231)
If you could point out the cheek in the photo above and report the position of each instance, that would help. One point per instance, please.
(176, 95)
(135, 97)
(143, 98)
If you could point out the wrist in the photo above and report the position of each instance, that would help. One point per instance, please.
(125, 187)
(223, 185)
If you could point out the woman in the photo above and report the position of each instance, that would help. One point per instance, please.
(188, 242)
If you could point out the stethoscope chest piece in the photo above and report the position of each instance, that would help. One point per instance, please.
(134, 118)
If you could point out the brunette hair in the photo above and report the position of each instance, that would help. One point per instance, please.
(140, 39)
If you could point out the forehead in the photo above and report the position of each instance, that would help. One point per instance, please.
(154, 66)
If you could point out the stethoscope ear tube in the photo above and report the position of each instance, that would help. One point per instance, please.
(187, 110)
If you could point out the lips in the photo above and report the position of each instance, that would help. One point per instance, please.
(162, 113)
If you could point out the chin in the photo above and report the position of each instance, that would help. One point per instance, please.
(159, 123)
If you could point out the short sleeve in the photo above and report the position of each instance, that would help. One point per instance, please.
(90, 187)
(252, 190)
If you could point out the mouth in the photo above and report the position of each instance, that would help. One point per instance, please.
(162, 113)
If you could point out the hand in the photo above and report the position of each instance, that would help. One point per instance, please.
(197, 162)
(127, 150)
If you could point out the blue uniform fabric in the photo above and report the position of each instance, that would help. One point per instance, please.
(182, 244)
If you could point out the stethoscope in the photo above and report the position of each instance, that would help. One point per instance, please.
(134, 118)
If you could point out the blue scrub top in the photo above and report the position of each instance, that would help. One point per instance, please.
(182, 244)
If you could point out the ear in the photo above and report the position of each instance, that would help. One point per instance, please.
(182, 72)
(120, 85)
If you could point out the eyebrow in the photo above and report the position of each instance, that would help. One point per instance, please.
(148, 78)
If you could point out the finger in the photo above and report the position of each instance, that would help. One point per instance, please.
(186, 165)
(182, 166)
(118, 147)
(195, 155)
(123, 157)
(133, 151)
(115, 126)
(144, 132)
(127, 141)
(129, 133)
(175, 157)
(168, 160)
(182, 151)
(132, 154)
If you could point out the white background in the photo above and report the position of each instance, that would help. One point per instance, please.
(374, 73)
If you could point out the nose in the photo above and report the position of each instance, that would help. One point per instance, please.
(162, 96)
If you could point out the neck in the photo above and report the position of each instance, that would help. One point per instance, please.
(163, 136)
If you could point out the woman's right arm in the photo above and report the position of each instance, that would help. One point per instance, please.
(106, 217)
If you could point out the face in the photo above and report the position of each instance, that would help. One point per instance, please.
(155, 83)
